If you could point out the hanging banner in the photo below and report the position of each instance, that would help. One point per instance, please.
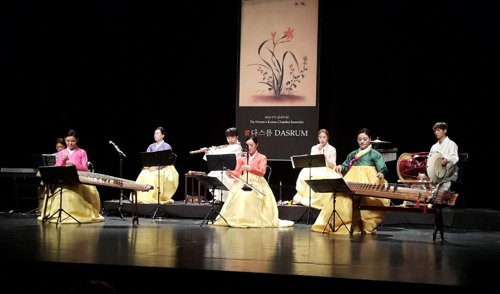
(278, 75)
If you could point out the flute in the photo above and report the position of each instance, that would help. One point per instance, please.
(201, 150)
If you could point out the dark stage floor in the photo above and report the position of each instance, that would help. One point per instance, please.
(158, 253)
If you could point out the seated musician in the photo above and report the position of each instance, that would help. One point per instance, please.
(169, 177)
(256, 206)
(449, 151)
(80, 201)
(364, 165)
(233, 147)
(326, 172)
(443, 153)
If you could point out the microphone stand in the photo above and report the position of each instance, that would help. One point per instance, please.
(120, 201)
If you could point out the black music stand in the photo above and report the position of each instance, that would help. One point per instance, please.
(58, 176)
(49, 159)
(212, 183)
(158, 159)
(309, 161)
(331, 186)
(222, 162)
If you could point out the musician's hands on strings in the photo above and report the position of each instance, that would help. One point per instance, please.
(66, 161)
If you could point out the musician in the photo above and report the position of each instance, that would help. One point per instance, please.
(364, 165)
(326, 172)
(233, 147)
(169, 177)
(80, 201)
(255, 207)
(448, 149)
(60, 145)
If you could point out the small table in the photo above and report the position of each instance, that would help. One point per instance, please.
(193, 195)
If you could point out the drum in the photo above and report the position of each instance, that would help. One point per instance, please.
(410, 165)
(435, 170)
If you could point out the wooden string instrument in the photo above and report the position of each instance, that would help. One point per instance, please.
(109, 181)
(245, 182)
(403, 193)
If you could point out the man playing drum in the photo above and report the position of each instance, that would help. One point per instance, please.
(448, 154)
(441, 162)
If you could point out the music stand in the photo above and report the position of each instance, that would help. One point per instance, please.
(309, 161)
(331, 186)
(221, 161)
(216, 162)
(49, 159)
(158, 159)
(212, 183)
(58, 175)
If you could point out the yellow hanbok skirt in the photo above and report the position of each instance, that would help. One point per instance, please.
(256, 208)
(169, 181)
(343, 206)
(318, 200)
(80, 203)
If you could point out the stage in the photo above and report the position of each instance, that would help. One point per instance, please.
(200, 257)
(458, 218)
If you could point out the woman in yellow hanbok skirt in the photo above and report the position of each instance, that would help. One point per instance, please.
(80, 203)
(255, 207)
(166, 178)
(364, 165)
(316, 173)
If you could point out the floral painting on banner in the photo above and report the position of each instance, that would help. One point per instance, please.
(278, 55)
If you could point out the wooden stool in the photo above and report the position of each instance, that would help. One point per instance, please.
(193, 195)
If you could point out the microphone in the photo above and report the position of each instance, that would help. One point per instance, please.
(117, 148)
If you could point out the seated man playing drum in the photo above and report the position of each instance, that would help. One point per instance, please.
(441, 162)
(446, 151)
